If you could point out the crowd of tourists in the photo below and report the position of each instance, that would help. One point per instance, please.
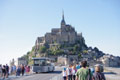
(83, 72)
(5, 70)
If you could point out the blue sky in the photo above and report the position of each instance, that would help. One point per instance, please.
(22, 21)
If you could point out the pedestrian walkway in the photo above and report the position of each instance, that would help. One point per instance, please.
(9, 78)
(112, 73)
(13, 77)
(58, 77)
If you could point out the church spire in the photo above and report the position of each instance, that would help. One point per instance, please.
(63, 21)
(62, 15)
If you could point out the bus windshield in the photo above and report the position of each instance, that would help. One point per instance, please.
(40, 62)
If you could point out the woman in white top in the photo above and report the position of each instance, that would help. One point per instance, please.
(64, 74)
(74, 70)
(69, 72)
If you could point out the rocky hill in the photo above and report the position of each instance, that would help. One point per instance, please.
(64, 41)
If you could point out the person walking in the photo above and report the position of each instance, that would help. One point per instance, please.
(69, 72)
(18, 71)
(27, 69)
(0, 71)
(83, 72)
(14, 69)
(92, 70)
(74, 70)
(4, 71)
(11, 70)
(22, 69)
(7, 70)
(98, 75)
(64, 74)
(78, 66)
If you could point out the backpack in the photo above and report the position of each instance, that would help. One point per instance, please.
(89, 77)
(70, 71)
(97, 76)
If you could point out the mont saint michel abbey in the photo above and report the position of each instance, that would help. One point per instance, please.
(66, 46)
(64, 35)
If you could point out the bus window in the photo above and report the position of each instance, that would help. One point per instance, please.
(44, 62)
(48, 62)
(36, 62)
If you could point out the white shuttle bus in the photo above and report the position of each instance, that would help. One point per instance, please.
(42, 64)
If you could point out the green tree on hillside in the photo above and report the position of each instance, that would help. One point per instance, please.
(42, 49)
(85, 51)
(58, 52)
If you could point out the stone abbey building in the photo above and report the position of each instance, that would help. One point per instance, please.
(64, 35)
(65, 45)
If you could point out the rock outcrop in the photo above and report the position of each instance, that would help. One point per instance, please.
(110, 60)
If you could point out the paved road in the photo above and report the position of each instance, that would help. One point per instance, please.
(112, 74)
(40, 76)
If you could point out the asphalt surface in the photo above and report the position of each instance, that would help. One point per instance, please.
(55, 75)
(112, 74)
(39, 76)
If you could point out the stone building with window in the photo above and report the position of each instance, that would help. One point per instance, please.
(66, 34)
(22, 61)
(68, 60)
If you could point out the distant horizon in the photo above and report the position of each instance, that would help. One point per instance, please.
(21, 22)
